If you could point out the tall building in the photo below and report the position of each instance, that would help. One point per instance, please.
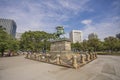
(118, 35)
(9, 25)
(76, 36)
(92, 36)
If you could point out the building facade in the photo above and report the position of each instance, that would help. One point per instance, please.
(9, 25)
(76, 36)
(92, 36)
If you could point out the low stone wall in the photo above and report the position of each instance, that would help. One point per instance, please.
(75, 61)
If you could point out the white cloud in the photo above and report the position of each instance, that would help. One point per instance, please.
(42, 15)
(86, 22)
(66, 35)
(106, 27)
(47, 14)
(74, 6)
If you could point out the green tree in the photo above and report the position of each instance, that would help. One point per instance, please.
(13, 45)
(85, 45)
(35, 41)
(76, 46)
(7, 42)
(112, 43)
(94, 44)
(3, 40)
(101, 46)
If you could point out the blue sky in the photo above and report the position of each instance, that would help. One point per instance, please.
(99, 16)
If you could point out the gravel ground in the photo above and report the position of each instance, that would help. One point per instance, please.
(19, 68)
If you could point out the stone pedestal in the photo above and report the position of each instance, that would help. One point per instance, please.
(60, 47)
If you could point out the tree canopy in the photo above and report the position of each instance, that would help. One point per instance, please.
(35, 41)
(7, 42)
(94, 44)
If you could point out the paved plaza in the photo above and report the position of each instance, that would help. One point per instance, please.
(19, 68)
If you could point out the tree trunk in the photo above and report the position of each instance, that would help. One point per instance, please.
(2, 52)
